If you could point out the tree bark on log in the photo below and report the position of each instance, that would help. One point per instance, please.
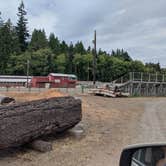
(25, 122)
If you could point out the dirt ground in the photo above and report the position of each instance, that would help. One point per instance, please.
(25, 96)
(108, 124)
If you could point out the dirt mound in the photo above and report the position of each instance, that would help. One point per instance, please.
(25, 96)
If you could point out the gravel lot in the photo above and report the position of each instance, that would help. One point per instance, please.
(108, 124)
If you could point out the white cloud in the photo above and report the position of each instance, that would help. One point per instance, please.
(46, 20)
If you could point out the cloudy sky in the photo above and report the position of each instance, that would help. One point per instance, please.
(138, 26)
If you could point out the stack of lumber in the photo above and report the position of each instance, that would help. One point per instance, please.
(24, 122)
(102, 92)
(108, 93)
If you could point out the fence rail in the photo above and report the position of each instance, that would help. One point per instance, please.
(142, 77)
(70, 91)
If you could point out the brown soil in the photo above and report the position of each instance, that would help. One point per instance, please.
(19, 96)
(109, 125)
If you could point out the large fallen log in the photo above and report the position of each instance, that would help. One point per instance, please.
(24, 122)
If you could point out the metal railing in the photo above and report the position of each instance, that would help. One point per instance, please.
(142, 77)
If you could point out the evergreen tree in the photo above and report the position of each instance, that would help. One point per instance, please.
(38, 40)
(15, 49)
(69, 59)
(89, 50)
(54, 44)
(22, 31)
(1, 21)
(121, 54)
(79, 48)
(5, 46)
(63, 47)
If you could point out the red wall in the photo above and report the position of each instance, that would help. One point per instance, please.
(54, 81)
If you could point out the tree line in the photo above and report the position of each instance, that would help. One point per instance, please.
(49, 54)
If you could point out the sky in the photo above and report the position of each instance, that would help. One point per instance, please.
(138, 26)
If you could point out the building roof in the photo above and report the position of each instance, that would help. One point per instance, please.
(63, 75)
(9, 80)
(14, 77)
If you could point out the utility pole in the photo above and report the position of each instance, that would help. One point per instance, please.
(27, 73)
(94, 59)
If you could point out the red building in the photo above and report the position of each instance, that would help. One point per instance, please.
(54, 80)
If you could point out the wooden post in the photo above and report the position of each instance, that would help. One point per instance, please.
(147, 89)
(27, 73)
(94, 59)
(130, 76)
(121, 80)
(156, 77)
(141, 76)
(149, 77)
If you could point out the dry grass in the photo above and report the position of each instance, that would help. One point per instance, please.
(22, 96)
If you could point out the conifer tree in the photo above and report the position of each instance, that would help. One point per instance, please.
(54, 44)
(21, 27)
(38, 40)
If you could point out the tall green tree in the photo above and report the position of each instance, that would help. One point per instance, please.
(61, 63)
(79, 48)
(153, 67)
(63, 47)
(38, 40)
(69, 59)
(54, 44)
(121, 54)
(21, 27)
(8, 44)
(1, 21)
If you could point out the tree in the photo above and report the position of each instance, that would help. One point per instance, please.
(42, 62)
(5, 47)
(8, 44)
(61, 63)
(1, 21)
(21, 27)
(14, 38)
(79, 48)
(38, 40)
(88, 59)
(69, 59)
(89, 50)
(121, 54)
(54, 44)
(137, 66)
(63, 47)
(153, 67)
